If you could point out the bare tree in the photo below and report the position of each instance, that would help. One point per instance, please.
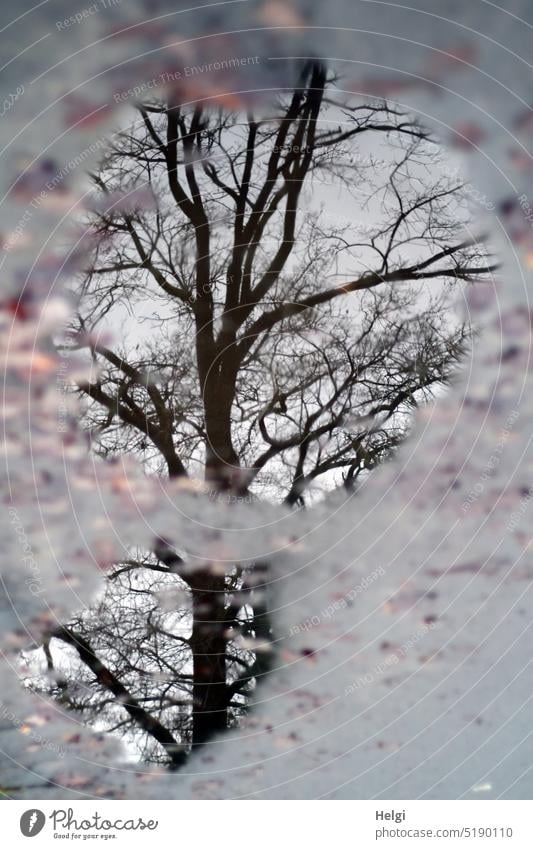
(266, 348)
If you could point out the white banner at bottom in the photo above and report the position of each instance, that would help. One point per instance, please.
(268, 824)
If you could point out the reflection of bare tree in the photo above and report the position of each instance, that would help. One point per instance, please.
(273, 353)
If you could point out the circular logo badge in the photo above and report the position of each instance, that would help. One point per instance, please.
(32, 822)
